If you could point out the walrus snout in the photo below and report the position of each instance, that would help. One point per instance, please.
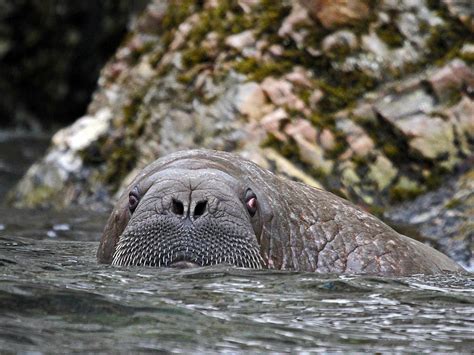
(184, 217)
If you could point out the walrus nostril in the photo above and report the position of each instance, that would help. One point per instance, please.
(200, 208)
(177, 207)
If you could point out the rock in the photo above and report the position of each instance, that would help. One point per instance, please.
(302, 128)
(286, 168)
(83, 132)
(315, 98)
(241, 40)
(382, 172)
(442, 218)
(393, 107)
(183, 31)
(272, 123)
(247, 5)
(299, 77)
(463, 11)
(250, 100)
(172, 85)
(337, 13)
(281, 93)
(298, 17)
(340, 42)
(276, 50)
(462, 117)
(327, 140)
(467, 51)
(359, 142)
(451, 78)
(373, 44)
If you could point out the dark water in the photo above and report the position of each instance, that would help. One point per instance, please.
(18, 150)
(54, 298)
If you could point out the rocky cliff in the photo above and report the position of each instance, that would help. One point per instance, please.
(372, 100)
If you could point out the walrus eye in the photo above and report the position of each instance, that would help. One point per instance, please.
(133, 199)
(251, 202)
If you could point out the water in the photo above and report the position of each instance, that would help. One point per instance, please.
(55, 298)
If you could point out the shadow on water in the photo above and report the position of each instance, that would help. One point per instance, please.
(55, 298)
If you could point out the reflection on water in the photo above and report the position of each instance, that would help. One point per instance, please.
(55, 298)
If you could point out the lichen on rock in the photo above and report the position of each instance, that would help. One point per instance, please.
(333, 93)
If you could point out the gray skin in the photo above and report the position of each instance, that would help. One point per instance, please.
(197, 208)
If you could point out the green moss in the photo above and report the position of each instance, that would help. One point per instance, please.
(40, 195)
(455, 202)
(390, 150)
(270, 15)
(194, 56)
(445, 40)
(376, 210)
(343, 89)
(257, 70)
(404, 190)
(177, 12)
(390, 34)
(468, 57)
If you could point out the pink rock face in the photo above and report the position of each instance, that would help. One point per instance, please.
(359, 142)
(303, 128)
(336, 13)
(281, 93)
(451, 77)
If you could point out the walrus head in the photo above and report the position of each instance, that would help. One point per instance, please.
(202, 207)
(188, 212)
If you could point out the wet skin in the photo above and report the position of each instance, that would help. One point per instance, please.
(202, 207)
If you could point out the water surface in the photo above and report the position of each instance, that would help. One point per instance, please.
(55, 298)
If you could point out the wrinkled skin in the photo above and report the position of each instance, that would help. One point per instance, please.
(201, 207)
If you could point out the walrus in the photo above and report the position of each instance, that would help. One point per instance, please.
(202, 207)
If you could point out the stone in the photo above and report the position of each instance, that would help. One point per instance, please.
(382, 172)
(373, 44)
(451, 78)
(342, 41)
(359, 142)
(183, 31)
(276, 50)
(429, 136)
(271, 123)
(467, 51)
(241, 40)
(337, 13)
(327, 139)
(393, 107)
(461, 116)
(463, 10)
(302, 128)
(249, 100)
(297, 18)
(281, 93)
(349, 178)
(313, 155)
(299, 77)
(286, 168)
(246, 5)
(315, 98)
(83, 132)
